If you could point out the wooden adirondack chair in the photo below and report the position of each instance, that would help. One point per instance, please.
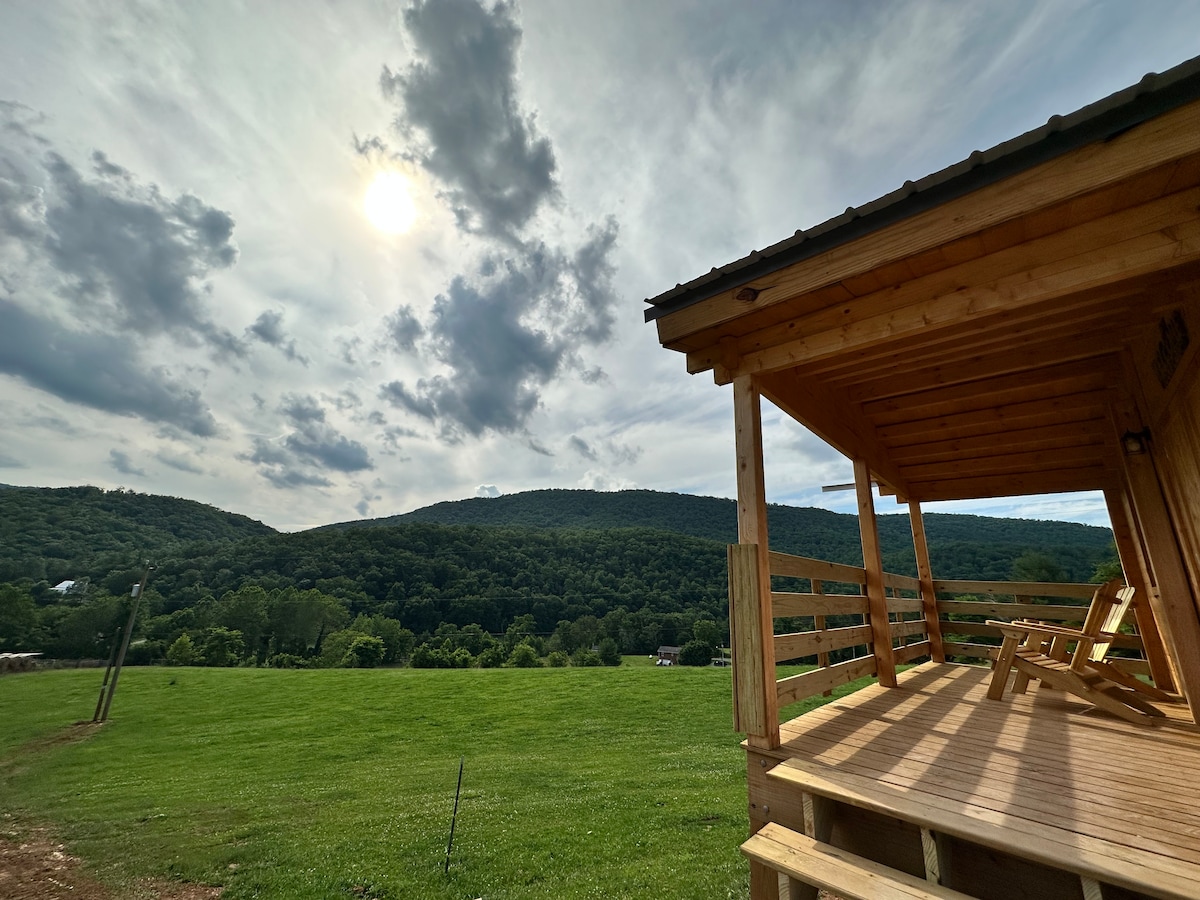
(1038, 650)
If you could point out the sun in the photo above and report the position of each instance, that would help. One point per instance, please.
(389, 203)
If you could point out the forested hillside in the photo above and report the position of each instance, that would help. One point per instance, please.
(960, 546)
(229, 590)
(56, 533)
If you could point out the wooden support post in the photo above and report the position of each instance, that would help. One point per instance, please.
(754, 672)
(881, 633)
(818, 587)
(818, 825)
(933, 627)
(1133, 561)
(1171, 594)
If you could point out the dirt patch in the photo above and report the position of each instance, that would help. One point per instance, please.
(34, 866)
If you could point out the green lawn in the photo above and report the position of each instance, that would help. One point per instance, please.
(623, 782)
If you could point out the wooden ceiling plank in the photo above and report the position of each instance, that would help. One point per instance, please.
(1166, 138)
(1081, 408)
(1048, 437)
(1065, 346)
(1070, 378)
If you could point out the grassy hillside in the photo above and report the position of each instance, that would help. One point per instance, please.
(579, 783)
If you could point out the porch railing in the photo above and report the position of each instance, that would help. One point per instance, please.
(824, 621)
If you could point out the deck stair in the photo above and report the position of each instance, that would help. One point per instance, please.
(1085, 865)
(849, 876)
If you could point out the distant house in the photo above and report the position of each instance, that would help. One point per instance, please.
(668, 656)
(64, 587)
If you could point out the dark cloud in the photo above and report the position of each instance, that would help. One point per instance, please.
(404, 328)
(462, 117)
(117, 259)
(179, 463)
(524, 317)
(95, 370)
(268, 328)
(507, 333)
(316, 442)
(312, 445)
(10, 462)
(580, 446)
(132, 257)
(120, 461)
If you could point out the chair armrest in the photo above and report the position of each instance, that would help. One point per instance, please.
(1020, 627)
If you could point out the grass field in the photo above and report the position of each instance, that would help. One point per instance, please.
(578, 783)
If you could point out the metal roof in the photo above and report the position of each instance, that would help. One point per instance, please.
(1154, 95)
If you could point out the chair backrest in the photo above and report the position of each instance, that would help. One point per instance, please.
(1109, 606)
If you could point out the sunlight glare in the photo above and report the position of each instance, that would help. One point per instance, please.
(389, 204)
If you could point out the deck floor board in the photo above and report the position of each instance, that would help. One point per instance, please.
(1032, 762)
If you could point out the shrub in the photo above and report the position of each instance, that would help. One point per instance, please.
(558, 660)
(696, 653)
(586, 658)
(524, 657)
(365, 652)
(289, 661)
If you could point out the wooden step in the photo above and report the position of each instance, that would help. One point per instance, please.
(1110, 861)
(838, 871)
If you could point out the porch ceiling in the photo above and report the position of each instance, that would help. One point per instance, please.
(974, 348)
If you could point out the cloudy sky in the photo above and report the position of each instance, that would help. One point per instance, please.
(195, 301)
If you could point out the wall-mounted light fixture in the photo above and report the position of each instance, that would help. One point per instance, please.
(1135, 442)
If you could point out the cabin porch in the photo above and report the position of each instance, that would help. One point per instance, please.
(1036, 796)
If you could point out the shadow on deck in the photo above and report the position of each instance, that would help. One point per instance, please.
(1038, 795)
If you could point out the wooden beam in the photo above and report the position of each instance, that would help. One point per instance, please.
(834, 418)
(757, 708)
(1005, 463)
(1083, 172)
(1048, 482)
(881, 641)
(925, 577)
(1130, 244)
(1134, 564)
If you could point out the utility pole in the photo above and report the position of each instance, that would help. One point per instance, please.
(137, 599)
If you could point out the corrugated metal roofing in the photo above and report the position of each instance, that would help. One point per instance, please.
(1154, 95)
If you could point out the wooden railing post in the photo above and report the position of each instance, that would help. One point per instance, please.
(877, 604)
(933, 626)
(751, 599)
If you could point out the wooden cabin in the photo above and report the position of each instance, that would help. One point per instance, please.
(1024, 322)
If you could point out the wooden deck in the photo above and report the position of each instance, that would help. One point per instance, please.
(1034, 796)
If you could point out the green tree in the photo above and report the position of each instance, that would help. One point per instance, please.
(696, 653)
(609, 652)
(365, 652)
(182, 652)
(18, 619)
(709, 632)
(219, 646)
(523, 656)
